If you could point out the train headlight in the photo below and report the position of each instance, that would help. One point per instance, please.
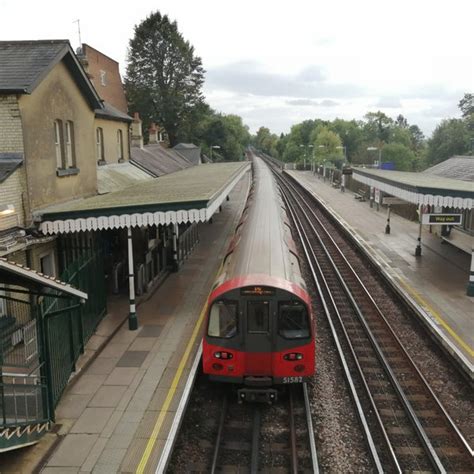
(217, 366)
(293, 356)
(223, 355)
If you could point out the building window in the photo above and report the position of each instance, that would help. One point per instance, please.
(59, 143)
(103, 77)
(119, 145)
(3, 303)
(70, 145)
(100, 144)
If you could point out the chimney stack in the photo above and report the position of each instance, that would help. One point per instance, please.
(153, 134)
(137, 136)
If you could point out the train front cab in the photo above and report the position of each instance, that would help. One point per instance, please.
(259, 337)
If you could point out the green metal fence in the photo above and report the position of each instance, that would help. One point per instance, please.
(68, 326)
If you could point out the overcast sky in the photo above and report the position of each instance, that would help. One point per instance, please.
(276, 63)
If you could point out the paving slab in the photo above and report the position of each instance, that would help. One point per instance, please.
(92, 420)
(73, 451)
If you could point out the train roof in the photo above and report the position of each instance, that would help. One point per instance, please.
(263, 244)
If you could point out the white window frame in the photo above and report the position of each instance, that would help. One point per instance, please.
(120, 144)
(58, 143)
(70, 161)
(99, 133)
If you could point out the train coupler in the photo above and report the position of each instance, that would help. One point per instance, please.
(259, 395)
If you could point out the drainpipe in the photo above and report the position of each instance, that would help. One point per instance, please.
(175, 247)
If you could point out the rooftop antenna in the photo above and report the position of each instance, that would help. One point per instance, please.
(79, 31)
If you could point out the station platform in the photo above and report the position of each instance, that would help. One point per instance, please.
(434, 283)
(116, 415)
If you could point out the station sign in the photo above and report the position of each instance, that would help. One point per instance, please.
(442, 219)
(393, 201)
(347, 170)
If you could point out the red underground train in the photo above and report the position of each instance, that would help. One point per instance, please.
(259, 331)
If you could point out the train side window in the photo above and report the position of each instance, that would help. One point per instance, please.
(257, 317)
(293, 320)
(223, 319)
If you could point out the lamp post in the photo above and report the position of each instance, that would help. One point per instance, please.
(324, 162)
(304, 156)
(344, 150)
(216, 147)
(312, 157)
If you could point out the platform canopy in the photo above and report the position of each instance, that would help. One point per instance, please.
(190, 195)
(12, 273)
(419, 188)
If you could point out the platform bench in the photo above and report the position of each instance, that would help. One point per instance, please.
(360, 195)
(336, 184)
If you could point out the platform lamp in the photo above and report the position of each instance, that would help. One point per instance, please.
(216, 147)
(304, 156)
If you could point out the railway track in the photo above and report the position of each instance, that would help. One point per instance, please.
(405, 425)
(259, 437)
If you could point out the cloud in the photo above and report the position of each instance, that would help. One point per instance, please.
(312, 102)
(247, 77)
(388, 103)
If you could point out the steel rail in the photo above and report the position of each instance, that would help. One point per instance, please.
(423, 437)
(436, 462)
(255, 441)
(294, 452)
(360, 411)
(309, 422)
(417, 372)
(219, 434)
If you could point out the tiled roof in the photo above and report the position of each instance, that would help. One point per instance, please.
(158, 160)
(110, 112)
(117, 176)
(456, 167)
(185, 189)
(190, 151)
(24, 64)
(9, 162)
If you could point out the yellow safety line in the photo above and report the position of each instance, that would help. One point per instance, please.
(437, 316)
(154, 435)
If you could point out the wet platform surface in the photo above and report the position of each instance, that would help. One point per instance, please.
(436, 281)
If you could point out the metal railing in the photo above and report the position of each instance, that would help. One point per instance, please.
(23, 399)
(186, 241)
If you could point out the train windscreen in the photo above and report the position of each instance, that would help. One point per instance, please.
(223, 319)
(293, 322)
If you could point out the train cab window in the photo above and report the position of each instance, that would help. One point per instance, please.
(293, 320)
(223, 319)
(257, 316)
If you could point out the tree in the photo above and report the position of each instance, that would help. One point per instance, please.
(466, 104)
(164, 77)
(451, 137)
(400, 155)
(327, 145)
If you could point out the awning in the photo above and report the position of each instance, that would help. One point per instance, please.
(190, 195)
(419, 188)
(12, 273)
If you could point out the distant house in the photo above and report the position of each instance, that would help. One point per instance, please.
(190, 151)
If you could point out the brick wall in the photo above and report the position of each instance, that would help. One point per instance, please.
(11, 140)
(12, 191)
(109, 86)
(11, 135)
